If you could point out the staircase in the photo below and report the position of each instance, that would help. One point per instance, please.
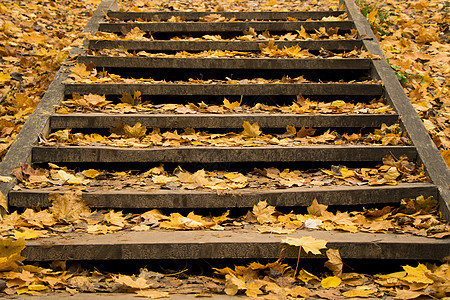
(325, 76)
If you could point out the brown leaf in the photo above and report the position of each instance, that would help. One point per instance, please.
(69, 206)
(334, 262)
(316, 209)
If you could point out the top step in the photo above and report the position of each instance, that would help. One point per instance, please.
(195, 27)
(195, 16)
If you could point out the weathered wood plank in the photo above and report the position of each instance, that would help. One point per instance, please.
(242, 198)
(206, 244)
(229, 120)
(239, 15)
(428, 152)
(203, 27)
(227, 63)
(192, 154)
(307, 89)
(161, 45)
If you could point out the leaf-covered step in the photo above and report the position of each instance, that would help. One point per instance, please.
(192, 154)
(306, 89)
(330, 45)
(238, 15)
(240, 198)
(228, 27)
(226, 63)
(210, 244)
(273, 120)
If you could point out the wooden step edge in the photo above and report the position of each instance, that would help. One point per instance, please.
(238, 244)
(244, 15)
(203, 27)
(169, 45)
(228, 120)
(429, 154)
(306, 89)
(192, 154)
(227, 63)
(238, 198)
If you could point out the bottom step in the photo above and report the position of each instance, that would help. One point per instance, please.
(208, 244)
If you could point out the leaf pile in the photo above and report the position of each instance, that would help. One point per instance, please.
(71, 213)
(135, 33)
(35, 38)
(416, 42)
(217, 17)
(224, 5)
(267, 50)
(82, 73)
(391, 172)
(134, 104)
(275, 280)
(136, 136)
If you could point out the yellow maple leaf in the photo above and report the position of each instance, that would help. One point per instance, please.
(231, 105)
(80, 71)
(96, 100)
(135, 34)
(251, 130)
(346, 173)
(308, 243)
(302, 33)
(417, 274)
(28, 234)
(115, 218)
(92, 173)
(330, 282)
(290, 130)
(10, 254)
(305, 276)
(264, 213)
(137, 131)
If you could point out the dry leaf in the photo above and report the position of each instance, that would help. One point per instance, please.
(69, 206)
(308, 243)
(330, 282)
(334, 262)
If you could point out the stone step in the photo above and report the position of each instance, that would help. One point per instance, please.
(306, 89)
(227, 63)
(228, 120)
(250, 46)
(134, 198)
(236, 244)
(238, 15)
(226, 27)
(191, 154)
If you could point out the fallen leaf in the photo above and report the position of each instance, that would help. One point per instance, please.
(308, 243)
(330, 282)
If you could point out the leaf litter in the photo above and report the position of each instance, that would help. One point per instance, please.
(123, 135)
(273, 280)
(70, 213)
(134, 104)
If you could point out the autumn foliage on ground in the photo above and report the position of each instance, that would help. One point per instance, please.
(35, 38)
